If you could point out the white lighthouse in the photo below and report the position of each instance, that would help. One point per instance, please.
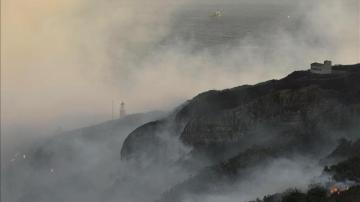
(122, 110)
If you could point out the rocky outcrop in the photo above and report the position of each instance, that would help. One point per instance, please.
(143, 137)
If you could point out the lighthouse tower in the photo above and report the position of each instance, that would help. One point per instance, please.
(122, 110)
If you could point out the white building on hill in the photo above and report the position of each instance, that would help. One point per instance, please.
(318, 68)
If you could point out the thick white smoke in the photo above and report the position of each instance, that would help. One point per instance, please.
(277, 177)
(64, 61)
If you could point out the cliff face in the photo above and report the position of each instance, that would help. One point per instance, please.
(143, 137)
(301, 109)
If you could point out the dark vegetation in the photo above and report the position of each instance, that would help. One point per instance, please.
(346, 149)
(349, 166)
(316, 194)
(344, 171)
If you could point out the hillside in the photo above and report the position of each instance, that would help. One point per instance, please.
(230, 133)
(302, 108)
(245, 142)
(57, 168)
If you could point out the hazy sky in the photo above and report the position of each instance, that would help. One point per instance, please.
(63, 61)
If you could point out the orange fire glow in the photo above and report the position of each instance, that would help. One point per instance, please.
(334, 190)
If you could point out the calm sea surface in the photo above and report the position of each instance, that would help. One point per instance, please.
(198, 26)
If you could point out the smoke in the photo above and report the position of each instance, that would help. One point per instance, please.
(64, 61)
(276, 177)
(68, 59)
(84, 165)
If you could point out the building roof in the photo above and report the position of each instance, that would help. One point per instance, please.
(316, 63)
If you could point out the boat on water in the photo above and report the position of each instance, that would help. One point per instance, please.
(217, 13)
